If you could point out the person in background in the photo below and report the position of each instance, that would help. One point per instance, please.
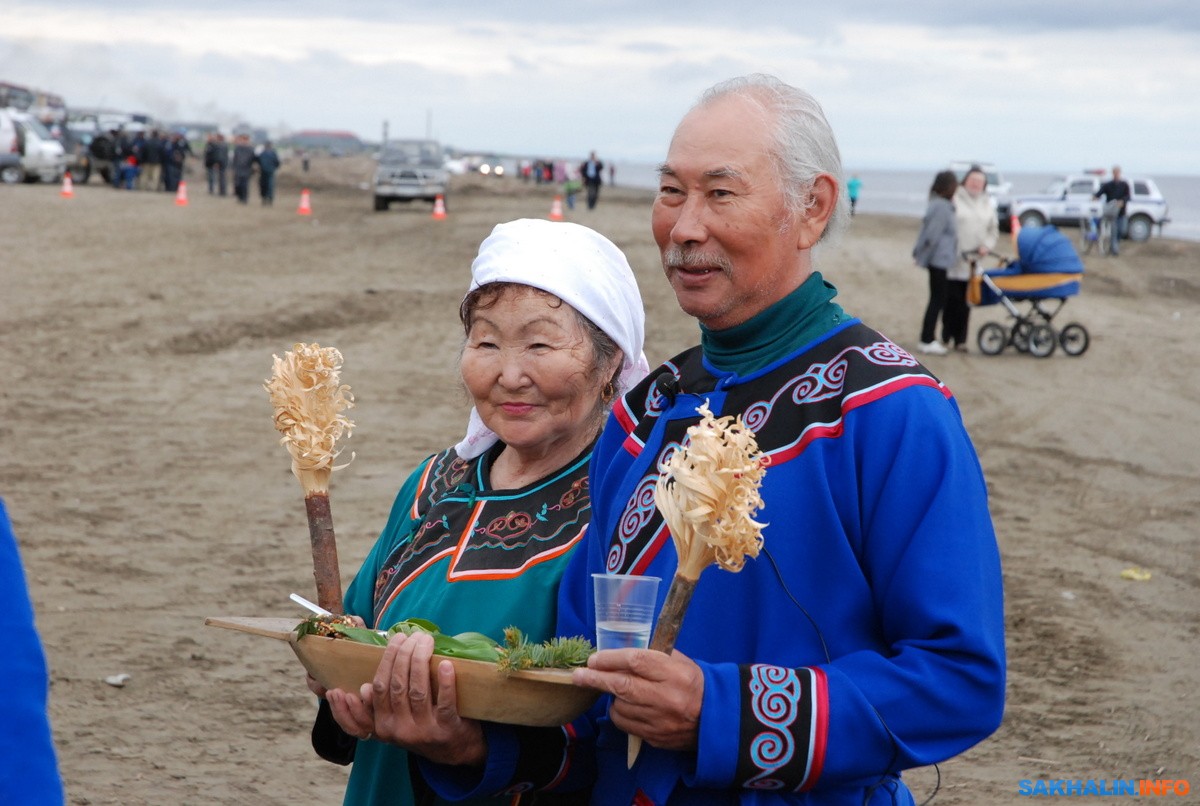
(268, 164)
(216, 158)
(128, 172)
(222, 164)
(480, 533)
(592, 170)
(122, 150)
(853, 187)
(243, 167)
(150, 177)
(978, 230)
(28, 764)
(571, 186)
(210, 162)
(1116, 191)
(936, 250)
(175, 154)
(138, 147)
(867, 638)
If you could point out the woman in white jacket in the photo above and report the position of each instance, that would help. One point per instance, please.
(978, 230)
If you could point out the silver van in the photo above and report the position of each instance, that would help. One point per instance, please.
(41, 156)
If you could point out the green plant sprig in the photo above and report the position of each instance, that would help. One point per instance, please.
(517, 653)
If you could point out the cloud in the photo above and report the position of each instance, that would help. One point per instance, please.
(1025, 84)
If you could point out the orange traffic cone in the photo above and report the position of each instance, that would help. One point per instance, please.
(556, 213)
(68, 190)
(439, 208)
(305, 207)
(181, 195)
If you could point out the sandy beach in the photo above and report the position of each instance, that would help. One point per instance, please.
(148, 490)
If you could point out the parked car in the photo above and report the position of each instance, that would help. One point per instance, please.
(77, 145)
(1070, 199)
(11, 172)
(410, 169)
(41, 156)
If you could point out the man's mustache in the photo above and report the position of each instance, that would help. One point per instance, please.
(677, 257)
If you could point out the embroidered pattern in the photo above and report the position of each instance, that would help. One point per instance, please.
(775, 694)
(853, 368)
(826, 380)
(485, 535)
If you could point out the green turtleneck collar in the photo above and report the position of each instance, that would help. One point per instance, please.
(797, 319)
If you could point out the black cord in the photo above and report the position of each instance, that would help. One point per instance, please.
(891, 736)
(937, 785)
(807, 615)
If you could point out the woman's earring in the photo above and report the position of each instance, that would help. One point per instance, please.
(609, 392)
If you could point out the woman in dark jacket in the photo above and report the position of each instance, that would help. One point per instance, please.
(937, 250)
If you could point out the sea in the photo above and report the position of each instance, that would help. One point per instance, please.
(905, 193)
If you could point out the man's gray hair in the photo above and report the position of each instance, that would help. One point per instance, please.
(804, 142)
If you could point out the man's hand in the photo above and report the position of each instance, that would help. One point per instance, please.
(657, 696)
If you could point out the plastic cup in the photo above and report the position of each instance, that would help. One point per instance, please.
(624, 610)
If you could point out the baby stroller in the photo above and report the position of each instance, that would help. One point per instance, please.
(1045, 276)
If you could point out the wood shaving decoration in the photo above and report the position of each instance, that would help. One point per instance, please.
(309, 399)
(708, 492)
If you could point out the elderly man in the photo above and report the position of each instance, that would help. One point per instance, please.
(867, 638)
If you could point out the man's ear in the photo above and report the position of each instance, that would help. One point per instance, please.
(824, 196)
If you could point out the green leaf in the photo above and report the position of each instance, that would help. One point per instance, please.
(473, 646)
(361, 635)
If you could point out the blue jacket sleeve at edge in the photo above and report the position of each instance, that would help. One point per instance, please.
(28, 765)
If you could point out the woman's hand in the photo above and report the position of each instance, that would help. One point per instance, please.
(399, 706)
(316, 688)
(313, 684)
(352, 713)
(407, 712)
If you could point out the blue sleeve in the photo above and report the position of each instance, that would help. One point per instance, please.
(931, 560)
(927, 681)
(28, 766)
(360, 596)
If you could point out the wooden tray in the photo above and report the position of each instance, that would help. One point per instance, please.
(537, 697)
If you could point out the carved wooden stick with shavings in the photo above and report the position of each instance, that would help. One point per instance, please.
(309, 398)
(708, 493)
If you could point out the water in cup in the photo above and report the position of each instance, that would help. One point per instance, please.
(622, 635)
(625, 606)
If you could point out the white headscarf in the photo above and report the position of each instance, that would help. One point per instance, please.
(583, 269)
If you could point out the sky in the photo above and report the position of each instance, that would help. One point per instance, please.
(1026, 84)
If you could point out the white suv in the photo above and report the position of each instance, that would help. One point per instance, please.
(410, 169)
(1069, 199)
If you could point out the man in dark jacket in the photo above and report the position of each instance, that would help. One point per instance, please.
(591, 171)
(243, 166)
(1116, 190)
(150, 177)
(216, 158)
(268, 164)
(175, 154)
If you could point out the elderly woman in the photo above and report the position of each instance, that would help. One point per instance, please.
(978, 230)
(480, 533)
